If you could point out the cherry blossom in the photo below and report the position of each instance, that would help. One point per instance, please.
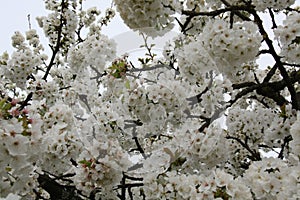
(205, 120)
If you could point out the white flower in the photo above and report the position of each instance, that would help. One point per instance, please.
(17, 144)
(222, 178)
(18, 40)
(194, 60)
(268, 178)
(60, 116)
(295, 133)
(151, 17)
(21, 65)
(261, 5)
(231, 47)
(290, 29)
(157, 162)
(12, 126)
(94, 51)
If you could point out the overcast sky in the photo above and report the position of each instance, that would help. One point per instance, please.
(13, 17)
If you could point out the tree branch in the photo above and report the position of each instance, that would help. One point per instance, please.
(55, 50)
(255, 156)
(57, 191)
(277, 59)
(214, 13)
(286, 141)
(270, 90)
(273, 18)
(127, 186)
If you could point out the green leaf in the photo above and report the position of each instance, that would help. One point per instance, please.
(8, 169)
(127, 84)
(86, 163)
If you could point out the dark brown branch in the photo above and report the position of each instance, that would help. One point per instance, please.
(26, 101)
(192, 13)
(270, 90)
(29, 23)
(270, 74)
(237, 11)
(214, 13)
(133, 178)
(57, 191)
(243, 85)
(255, 156)
(127, 186)
(273, 18)
(197, 98)
(55, 49)
(272, 94)
(291, 64)
(263, 51)
(286, 141)
(293, 10)
(139, 147)
(277, 59)
(123, 188)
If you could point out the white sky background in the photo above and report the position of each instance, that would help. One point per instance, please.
(13, 17)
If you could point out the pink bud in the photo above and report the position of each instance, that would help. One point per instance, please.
(25, 111)
(14, 102)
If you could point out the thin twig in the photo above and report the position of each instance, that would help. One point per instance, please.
(277, 58)
(55, 49)
(29, 23)
(273, 18)
(255, 156)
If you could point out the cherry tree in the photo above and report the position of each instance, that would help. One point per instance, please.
(200, 118)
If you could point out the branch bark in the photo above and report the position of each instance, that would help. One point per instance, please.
(55, 50)
(57, 191)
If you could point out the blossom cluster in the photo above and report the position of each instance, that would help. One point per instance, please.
(60, 25)
(95, 51)
(261, 5)
(156, 106)
(34, 41)
(218, 47)
(201, 63)
(215, 185)
(89, 16)
(230, 48)
(15, 150)
(43, 90)
(194, 124)
(248, 125)
(151, 17)
(21, 65)
(288, 35)
(100, 165)
(206, 145)
(269, 179)
(295, 143)
(280, 127)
